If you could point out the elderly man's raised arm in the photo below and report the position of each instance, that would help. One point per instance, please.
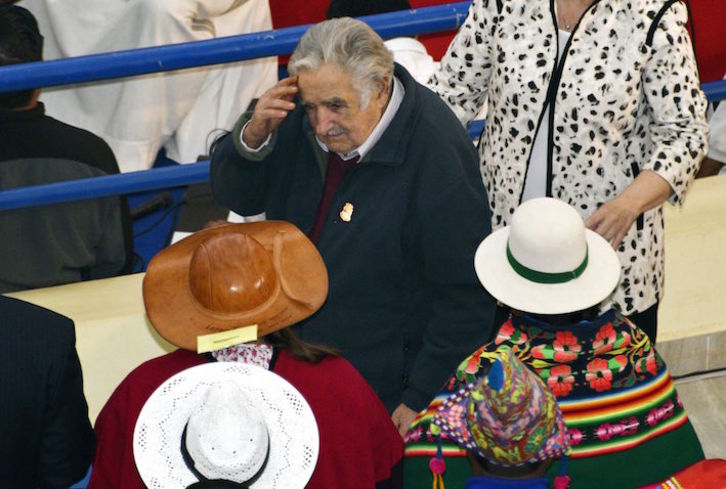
(236, 175)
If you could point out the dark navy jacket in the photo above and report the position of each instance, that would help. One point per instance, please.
(46, 440)
(404, 304)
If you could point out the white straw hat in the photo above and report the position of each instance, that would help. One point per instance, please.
(226, 421)
(546, 262)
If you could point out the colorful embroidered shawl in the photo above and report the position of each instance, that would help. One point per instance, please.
(626, 425)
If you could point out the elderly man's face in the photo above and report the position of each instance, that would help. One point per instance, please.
(333, 106)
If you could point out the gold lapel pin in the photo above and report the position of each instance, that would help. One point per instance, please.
(347, 212)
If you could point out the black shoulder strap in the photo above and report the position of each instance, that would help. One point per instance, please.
(656, 21)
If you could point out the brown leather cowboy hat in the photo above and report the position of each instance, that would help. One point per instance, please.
(266, 273)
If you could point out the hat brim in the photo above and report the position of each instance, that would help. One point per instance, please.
(595, 284)
(301, 288)
(294, 441)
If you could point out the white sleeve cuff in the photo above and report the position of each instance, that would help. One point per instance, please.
(247, 148)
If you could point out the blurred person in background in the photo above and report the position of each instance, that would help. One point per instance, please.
(58, 243)
(181, 111)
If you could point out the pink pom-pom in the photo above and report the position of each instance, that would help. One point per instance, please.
(562, 482)
(437, 465)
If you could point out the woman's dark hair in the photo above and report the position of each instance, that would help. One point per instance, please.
(566, 319)
(300, 349)
(482, 466)
(20, 42)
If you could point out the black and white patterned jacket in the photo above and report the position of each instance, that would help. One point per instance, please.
(625, 98)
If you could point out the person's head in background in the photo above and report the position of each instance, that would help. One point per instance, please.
(407, 50)
(508, 421)
(344, 75)
(358, 8)
(20, 42)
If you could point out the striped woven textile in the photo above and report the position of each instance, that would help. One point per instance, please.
(617, 397)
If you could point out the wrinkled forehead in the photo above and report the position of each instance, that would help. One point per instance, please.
(327, 84)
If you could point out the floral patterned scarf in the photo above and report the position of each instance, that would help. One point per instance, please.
(251, 353)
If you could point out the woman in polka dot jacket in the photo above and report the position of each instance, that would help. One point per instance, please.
(596, 103)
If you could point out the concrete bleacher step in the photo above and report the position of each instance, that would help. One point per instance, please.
(692, 315)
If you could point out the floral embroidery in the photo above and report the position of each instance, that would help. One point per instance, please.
(472, 365)
(647, 364)
(600, 371)
(560, 379)
(599, 375)
(507, 333)
(566, 346)
(563, 350)
(607, 339)
(469, 369)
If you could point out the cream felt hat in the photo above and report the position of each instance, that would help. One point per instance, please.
(546, 262)
(226, 424)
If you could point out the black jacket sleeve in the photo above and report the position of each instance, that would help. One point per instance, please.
(67, 441)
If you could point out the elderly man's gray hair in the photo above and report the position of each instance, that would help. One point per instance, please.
(350, 44)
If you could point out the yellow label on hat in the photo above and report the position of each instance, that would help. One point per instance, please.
(225, 339)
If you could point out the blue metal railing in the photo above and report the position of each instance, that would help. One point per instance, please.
(134, 62)
(142, 61)
(124, 183)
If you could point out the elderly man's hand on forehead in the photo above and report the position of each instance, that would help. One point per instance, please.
(271, 109)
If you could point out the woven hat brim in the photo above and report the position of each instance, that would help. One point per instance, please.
(179, 318)
(294, 440)
(498, 277)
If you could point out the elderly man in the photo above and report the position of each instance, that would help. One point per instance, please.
(384, 180)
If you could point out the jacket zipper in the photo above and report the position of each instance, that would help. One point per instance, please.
(551, 99)
(636, 171)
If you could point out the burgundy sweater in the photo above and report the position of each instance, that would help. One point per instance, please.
(359, 445)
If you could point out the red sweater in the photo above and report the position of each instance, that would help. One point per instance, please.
(359, 445)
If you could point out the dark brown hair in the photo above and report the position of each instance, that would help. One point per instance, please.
(569, 318)
(300, 349)
(20, 42)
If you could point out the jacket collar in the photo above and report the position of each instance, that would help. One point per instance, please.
(391, 147)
